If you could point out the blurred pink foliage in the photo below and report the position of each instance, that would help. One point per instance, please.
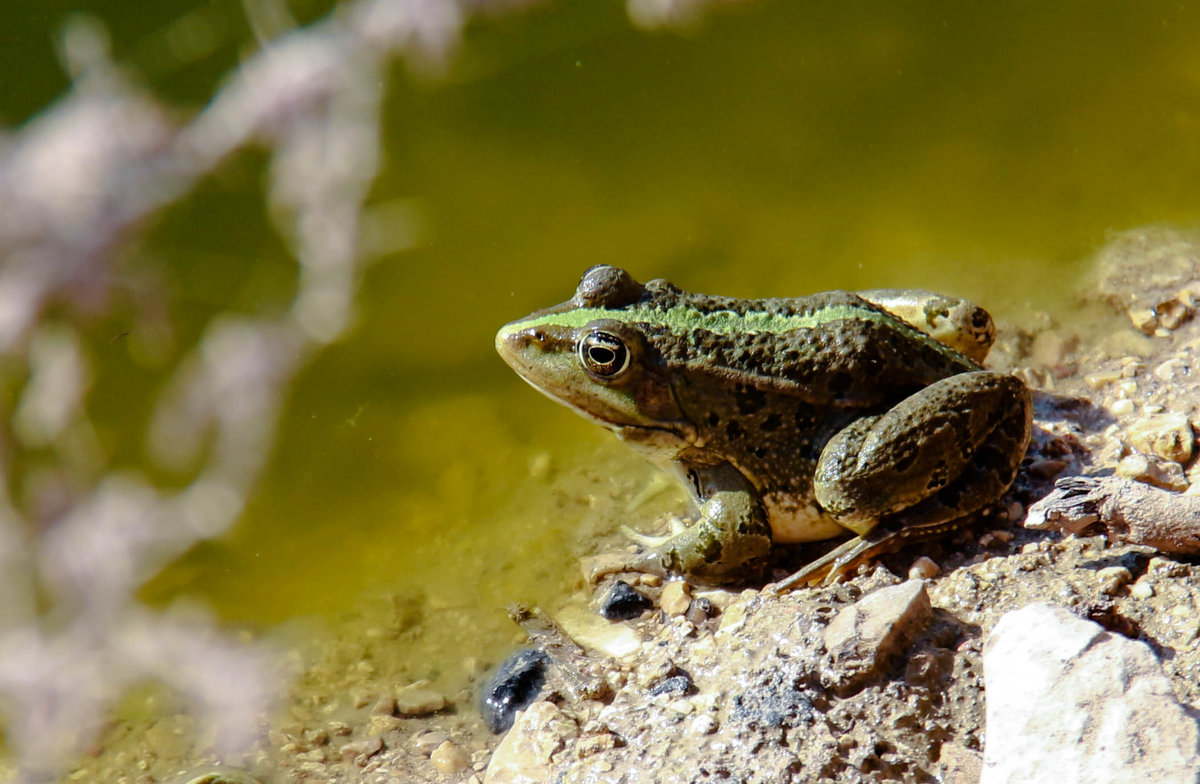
(78, 184)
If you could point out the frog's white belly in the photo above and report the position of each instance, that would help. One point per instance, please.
(798, 521)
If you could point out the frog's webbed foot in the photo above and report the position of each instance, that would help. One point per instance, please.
(650, 541)
(830, 567)
(730, 539)
(886, 537)
(597, 567)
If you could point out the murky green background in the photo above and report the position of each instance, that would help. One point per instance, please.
(779, 148)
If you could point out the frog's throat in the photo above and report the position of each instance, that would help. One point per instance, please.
(663, 442)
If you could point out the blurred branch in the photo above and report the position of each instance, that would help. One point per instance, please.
(78, 183)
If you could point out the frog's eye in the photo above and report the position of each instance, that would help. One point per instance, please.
(603, 354)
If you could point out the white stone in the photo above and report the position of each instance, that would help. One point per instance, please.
(525, 754)
(1070, 702)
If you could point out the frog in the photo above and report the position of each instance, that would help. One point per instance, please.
(789, 420)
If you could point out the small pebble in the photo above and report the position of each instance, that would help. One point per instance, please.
(1172, 313)
(624, 602)
(1144, 319)
(1167, 567)
(700, 610)
(1101, 378)
(1047, 468)
(1166, 474)
(996, 538)
(1015, 511)
(1168, 436)
(426, 742)
(449, 758)
(416, 700)
(676, 597)
(1141, 590)
(590, 745)
(677, 684)
(923, 568)
(383, 723)
(362, 749)
(516, 684)
(1111, 578)
(1123, 407)
(384, 706)
(682, 706)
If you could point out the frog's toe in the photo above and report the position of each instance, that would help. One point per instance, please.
(831, 567)
(597, 567)
(645, 540)
(650, 541)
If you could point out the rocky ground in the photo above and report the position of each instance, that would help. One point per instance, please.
(878, 678)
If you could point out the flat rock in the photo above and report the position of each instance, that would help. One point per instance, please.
(525, 756)
(1068, 701)
(594, 633)
(417, 700)
(866, 637)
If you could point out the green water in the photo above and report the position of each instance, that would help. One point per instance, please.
(779, 148)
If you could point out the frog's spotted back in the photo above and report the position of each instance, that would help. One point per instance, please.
(768, 404)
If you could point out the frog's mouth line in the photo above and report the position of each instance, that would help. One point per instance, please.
(546, 358)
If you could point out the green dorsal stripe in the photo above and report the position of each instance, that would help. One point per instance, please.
(721, 322)
(681, 320)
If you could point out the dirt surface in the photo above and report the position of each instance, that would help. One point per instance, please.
(751, 694)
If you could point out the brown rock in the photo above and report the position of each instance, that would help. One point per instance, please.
(362, 750)
(676, 596)
(449, 758)
(865, 638)
(923, 568)
(1112, 578)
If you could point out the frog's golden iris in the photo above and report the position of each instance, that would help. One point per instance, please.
(791, 419)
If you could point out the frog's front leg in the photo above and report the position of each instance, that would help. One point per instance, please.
(943, 452)
(730, 540)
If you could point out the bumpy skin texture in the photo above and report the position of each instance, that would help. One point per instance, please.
(792, 419)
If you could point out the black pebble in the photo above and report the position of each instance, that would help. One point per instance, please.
(676, 684)
(623, 603)
(514, 685)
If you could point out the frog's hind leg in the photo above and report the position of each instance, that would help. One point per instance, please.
(916, 471)
(943, 452)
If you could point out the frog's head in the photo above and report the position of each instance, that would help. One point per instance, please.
(590, 354)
